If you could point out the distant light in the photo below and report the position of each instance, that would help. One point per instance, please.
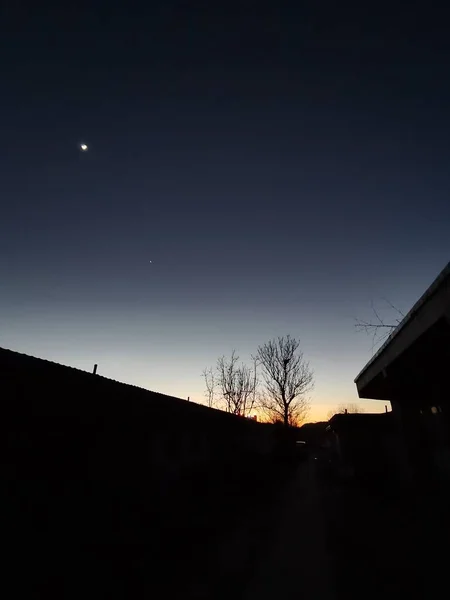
(83, 147)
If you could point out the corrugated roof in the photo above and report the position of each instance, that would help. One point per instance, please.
(23, 356)
(19, 358)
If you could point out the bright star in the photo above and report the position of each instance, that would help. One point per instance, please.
(83, 147)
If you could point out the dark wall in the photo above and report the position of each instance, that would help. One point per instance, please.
(90, 462)
(370, 445)
(71, 420)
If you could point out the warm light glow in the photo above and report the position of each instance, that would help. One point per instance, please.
(83, 147)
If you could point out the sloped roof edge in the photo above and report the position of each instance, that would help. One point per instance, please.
(431, 290)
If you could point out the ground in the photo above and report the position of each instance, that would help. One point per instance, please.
(296, 563)
(322, 538)
(272, 531)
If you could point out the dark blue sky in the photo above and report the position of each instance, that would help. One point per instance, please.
(280, 167)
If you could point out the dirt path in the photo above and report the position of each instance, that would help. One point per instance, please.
(296, 564)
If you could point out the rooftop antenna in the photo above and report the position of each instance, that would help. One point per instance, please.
(95, 370)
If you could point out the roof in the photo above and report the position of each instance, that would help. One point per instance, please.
(14, 358)
(12, 362)
(426, 296)
(363, 422)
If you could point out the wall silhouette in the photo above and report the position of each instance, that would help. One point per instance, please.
(92, 465)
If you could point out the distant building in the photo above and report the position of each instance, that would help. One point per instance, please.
(366, 446)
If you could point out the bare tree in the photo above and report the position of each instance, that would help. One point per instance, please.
(344, 409)
(237, 384)
(271, 415)
(377, 328)
(210, 384)
(255, 393)
(287, 378)
(350, 408)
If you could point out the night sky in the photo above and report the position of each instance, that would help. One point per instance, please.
(281, 167)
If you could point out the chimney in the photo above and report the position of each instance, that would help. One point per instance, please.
(95, 370)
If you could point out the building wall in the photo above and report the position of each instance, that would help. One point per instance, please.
(370, 447)
(88, 458)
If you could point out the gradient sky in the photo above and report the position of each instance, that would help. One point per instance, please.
(281, 168)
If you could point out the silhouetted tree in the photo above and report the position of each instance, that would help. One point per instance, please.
(236, 385)
(210, 384)
(287, 380)
(343, 409)
(296, 418)
(377, 327)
